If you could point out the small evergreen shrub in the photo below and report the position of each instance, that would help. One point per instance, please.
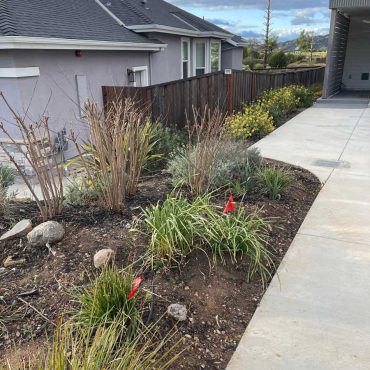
(304, 95)
(233, 162)
(278, 59)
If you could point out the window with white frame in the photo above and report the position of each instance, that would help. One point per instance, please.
(215, 55)
(141, 76)
(185, 57)
(200, 51)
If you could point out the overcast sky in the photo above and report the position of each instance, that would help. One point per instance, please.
(246, 17)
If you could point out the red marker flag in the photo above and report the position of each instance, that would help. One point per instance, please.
(135, 286)
(230, 206)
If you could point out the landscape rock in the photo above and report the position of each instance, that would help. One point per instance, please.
(103, 257)
(177, 311)
(46, 233)
(22, 228)
(10, 262)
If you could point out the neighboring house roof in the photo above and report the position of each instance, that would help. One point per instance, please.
(98, 24)
(67, 20)
(238, 41)
(161, 16)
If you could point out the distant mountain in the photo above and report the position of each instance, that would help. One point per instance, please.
(320, 43)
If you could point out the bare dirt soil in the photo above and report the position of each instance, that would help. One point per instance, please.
(219, 299)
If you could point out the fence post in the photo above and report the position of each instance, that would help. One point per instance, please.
(229, 93)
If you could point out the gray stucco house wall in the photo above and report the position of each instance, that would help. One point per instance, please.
(55, 55)
(55, 92)
(232, 57)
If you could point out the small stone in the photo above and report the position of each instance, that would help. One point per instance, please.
(103, 257)
(186, 288)
(10, 262)
(46, 233)
(177, 311)
(22, 228)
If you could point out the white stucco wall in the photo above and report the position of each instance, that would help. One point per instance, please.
(357, 56)
(55, 90)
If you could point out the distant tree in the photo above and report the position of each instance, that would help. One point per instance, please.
(278, 59)
(268, 15)
(305, 41)
(273, 43)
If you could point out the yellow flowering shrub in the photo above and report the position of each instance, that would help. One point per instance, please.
(279, 103)
(261, 117)
(253, 121)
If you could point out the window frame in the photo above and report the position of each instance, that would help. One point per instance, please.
(206, 56)
(187, 40)
(214, 41)
(145, 80)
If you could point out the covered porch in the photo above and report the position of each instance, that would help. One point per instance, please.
(348, 66)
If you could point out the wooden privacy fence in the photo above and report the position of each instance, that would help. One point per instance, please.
(172, 102)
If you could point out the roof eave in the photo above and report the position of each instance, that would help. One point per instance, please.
(26, 42)
(343, 4)
(237, 44)
(177, 31)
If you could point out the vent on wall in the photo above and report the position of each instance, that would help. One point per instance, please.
(365, 76)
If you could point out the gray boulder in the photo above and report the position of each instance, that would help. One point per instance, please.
(46, 233)
(103, 257)
(22, 228)
(177, 311)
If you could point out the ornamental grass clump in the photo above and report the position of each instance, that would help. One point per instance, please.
(240, 234)
(274, 181)
(107, 300)
(178, 227)
(196, 160)
(234, 163)
(117, 150)
(77, 347)
(174, 225)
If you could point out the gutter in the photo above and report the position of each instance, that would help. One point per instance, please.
(177, 31)
(25, 42)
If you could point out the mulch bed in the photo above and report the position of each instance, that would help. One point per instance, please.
(219, 298)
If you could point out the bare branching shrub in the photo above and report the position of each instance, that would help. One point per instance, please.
(205, 134)
(41, 158)
(117, 149)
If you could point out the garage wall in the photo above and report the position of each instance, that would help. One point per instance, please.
(357, 60)
(339, 28)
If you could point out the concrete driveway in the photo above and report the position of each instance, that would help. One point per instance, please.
(316, 313)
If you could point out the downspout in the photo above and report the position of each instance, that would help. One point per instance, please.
(150, 67)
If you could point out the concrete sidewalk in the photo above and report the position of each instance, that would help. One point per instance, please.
(316, 313)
